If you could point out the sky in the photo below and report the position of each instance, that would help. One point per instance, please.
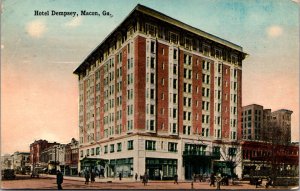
(39, 94)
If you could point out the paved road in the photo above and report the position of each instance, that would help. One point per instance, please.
(49, 183)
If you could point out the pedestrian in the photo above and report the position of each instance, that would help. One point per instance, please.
(212, 180)
(87, 177)
(136, 176)
(93, 175)
(145, 179)
(161, 174)
(120, 176)
(269, 182)
(175, 179)
(59, 180)
(219, 180)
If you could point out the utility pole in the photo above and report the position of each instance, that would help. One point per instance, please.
(55, 158)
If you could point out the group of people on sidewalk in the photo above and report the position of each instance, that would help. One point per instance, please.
(89, 175)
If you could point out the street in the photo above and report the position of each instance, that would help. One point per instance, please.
(48, 182)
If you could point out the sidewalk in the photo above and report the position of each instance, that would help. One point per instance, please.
(77, 178)
(115, 183)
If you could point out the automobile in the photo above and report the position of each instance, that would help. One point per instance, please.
(8, 174)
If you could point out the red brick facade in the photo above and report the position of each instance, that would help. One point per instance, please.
(212, 96)
(139, 82)
(162, 86)
(226, 101)
(180, 90)
(239, 105)
(197, 96)
(102, 102)
(124, 88)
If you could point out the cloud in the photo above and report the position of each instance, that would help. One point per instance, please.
(36, 28)
(274, 31)
(74, 22)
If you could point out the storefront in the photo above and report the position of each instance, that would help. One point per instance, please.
(197, 161)
(161, 169)
(93, 164)
(123, 166)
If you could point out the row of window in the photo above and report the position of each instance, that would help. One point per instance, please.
(151, 146)
(189, 43)
(97, 150)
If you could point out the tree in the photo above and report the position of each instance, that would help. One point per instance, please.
(231, 154)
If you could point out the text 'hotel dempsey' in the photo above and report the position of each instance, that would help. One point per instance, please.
(71, 13)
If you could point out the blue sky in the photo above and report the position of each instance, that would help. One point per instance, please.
(39, 54)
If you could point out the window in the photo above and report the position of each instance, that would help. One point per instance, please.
(174, 98)
(150, 145)
(216, 150)
(152, 109)
(218, 53)
(105, 149)
(130, 145)
(152, 63)
(151, 125)
(174, 83)
(172, 147)
(173, 38)
(112, 148)
(232, 151)
(206, 50)
(152, 78)
(119, 147)
(174, 128)
(175, 54)
(152, 47)
(151, 29)
(152, 93)
(174, 113)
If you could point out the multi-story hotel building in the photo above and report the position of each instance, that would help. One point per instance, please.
(159, 96)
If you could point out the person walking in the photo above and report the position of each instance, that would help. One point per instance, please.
(59, 180)
(219, 180)
(175, 179)
(212, 180)
(136, 176)
(145, 179)
(120, 176)
(93, 175)
(87, 177)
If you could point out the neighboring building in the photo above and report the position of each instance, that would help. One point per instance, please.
(258, 155)
(54, 157)
(253, 122)
(267, 141)
(72, 157)
(261, 124)
(36, 149)
(161, 97)
(21, 162)
(282, 120)
(7, 161)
